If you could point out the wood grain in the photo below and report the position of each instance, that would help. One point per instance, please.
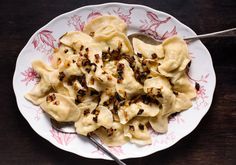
(212, 142)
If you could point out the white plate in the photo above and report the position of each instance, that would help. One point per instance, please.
(138, 18)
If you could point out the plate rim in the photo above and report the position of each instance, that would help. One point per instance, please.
(102, 5)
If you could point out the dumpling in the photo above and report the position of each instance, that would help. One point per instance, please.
(40, 90)
(76, 40)
(60, 107)
(92, 119)
(105, 25)
(182, 84)
(159, 123)
(117, 44)
(113, 136)
(120, 42)
(70, 67)
(176, 56)
(128, 112)
(60, 54)
(182, 102)
(127, 86)
(147, 51)
(158, 82)
(137, 131)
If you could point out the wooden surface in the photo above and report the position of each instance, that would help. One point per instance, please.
(212, 142)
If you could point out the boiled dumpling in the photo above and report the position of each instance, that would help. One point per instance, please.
(105, 25)
(40, 90)
(61, 108)
(127, 86)
(147, 51)
(137, 131)
(113, 136)
(92, 119)
(176, 56)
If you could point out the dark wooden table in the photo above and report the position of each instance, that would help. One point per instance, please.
(212, 142)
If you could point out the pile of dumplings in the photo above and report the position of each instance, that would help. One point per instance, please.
(108, 87)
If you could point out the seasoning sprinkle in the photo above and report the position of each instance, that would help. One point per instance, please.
(77, 101)
(81, 47)
(175, 92)
(61, 76)
(154, 55)
(140, 111)
(197, 86)
(94, 92)
(66, 50)
(85, 62)
(131, 127)
(141, 126)
(59, 61)
(93, 67)
(50, 98)
(86, 112)
(139, 55)
(91, 34)
(57, 102)
(95, 112)
(96, 58)
(110, 132)
(120, 72)
(71, 80)
(189, 64)
(81, 92)
(95, 119)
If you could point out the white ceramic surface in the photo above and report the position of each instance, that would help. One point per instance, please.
(139, 18)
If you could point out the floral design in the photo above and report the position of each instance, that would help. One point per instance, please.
(115, 150)
(150, 26)
(201, 98)
(124, 15)
(168, 34)
(38, 114)
(200, 101)
(93, 15)
(98, 152)
(44, 42)
(30, 75)
(165, 139)
(178, 119)
(76, 22)
(62, 138)
(37, 110)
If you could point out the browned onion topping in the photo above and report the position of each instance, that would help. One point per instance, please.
(141, 126)
(61, 76)
(50, 98)
(140, 111)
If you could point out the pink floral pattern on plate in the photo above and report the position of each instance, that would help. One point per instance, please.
(149, 26)
(118, 151)
(162, 139)
(30, 75)
(93, 15)
(44, 42)
(76, 22)
(125, 15)
(62, 138)
(201, 100)
(177, 119)
(37, 111)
